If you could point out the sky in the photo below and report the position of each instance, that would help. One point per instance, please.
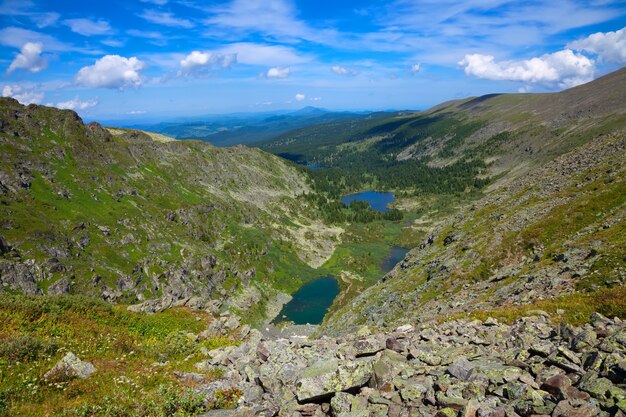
(144, 59)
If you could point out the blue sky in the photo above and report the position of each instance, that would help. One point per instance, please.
(138, 59)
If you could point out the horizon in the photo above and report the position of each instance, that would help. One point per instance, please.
(171, 59)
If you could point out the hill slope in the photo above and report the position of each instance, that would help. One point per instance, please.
(121, 215)
(551, 222)
(449, 147)
(235, 129)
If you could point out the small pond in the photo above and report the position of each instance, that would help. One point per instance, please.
(396, 254)
(310, 303)
(378, 200)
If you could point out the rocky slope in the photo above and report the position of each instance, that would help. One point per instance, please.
(532, 367)
(128, 217)
(552, 223)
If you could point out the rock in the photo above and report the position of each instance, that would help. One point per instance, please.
(70, 366)
(471, 409)
(4, 246)
(461, 369)
(566, 408)
(404, 328)
(368, 346)
(388, 365)
(446, 412)
(416, 389)
(262, 352)
(603, 390)
(393, 344)
(341, 403)
(491, 322)
(189, 377)
(321, 380)
(557, 385)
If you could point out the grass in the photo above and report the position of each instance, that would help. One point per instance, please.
(122, 345)
(573, 309)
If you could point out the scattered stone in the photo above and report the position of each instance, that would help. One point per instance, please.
(69, 367)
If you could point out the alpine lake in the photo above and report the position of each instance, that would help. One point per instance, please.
(311, 302)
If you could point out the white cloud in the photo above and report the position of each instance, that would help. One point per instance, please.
(29, 58)
(300, 97)
(76, 104)
(114, 43)
(260, 54)
(278, 72)
(609, 47)
(315, 98)
(198, 62)
(88, 27)
(43, 20)
(276, 19)
(136, 112)
(27, 8)
(16, 37)
(338, 69)
(21, 94)
(415, 68)
(112, 71)
(157, 2)
(563, 69)
(166, 19)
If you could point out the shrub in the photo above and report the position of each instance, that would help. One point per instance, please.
(24, 348)
(226, 398)
(176, 344)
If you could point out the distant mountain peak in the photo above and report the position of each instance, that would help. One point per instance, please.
(310, 110)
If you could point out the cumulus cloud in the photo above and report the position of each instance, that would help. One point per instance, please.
(338, 69)
(112, 71)
(609, 47)
(277, 72)
(198, 62)
(563, 69)
(22, 94)
(88, 27)
(300, 97)
(166, 19)
(29, 58)
(415, 68)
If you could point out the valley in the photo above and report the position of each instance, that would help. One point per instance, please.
(389, 233)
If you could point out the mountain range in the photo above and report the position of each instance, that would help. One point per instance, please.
(509, 302)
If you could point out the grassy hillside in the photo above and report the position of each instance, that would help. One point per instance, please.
(127, 217)
(549, 231)
(137, 359)
(458, 146)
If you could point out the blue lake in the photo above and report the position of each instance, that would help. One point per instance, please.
(310, 303)
(396, 254)
(378, 200)
(313, 166)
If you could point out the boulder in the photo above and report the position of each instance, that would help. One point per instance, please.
(69, 367)
(322, 379)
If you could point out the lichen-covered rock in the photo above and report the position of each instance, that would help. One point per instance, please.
(524, 369)
(70, 366)
(323, 379)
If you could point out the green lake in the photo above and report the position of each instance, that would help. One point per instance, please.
(310, 303)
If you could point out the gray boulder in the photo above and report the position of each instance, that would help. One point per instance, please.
(70, 366)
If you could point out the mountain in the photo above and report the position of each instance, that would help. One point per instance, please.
(129, 216)
(246, 128)
(511, 301)
(549, 226)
